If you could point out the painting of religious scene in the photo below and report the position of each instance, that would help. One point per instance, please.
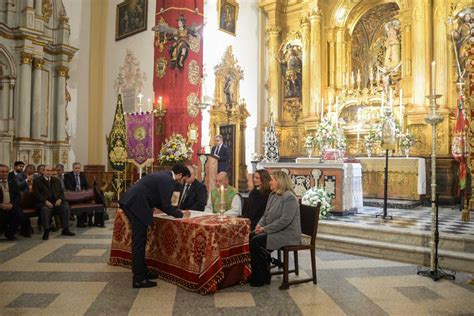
(228, 14)
(131, 18)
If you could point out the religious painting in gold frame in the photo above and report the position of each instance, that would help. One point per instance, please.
(131, 18)
(227, 14)
(193, 133)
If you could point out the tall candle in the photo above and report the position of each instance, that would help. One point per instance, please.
(222, 194)
(401, 109)
(160, 103)
(391, 98)
(433, 78)
(352, 80)
(358, 135)
(337, 111)
(322, 108)
(371, 75)
(382, 101)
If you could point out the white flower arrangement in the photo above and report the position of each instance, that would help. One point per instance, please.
(309, 141)
(330, 136)
(405, 140)
(314, 196)
(175, 150)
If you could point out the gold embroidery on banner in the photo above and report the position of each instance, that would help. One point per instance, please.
(193, 72)
(192, 102)
(160, 67)
(195, 43)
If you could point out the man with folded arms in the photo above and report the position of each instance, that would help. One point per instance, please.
(50, 201)
(152, 191)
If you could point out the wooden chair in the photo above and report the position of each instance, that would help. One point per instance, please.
(309, 216)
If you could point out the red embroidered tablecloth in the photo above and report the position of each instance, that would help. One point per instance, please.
(199, 254)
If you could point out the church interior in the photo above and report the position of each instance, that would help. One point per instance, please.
(365, 105)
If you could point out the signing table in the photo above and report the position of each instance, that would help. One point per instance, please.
(199, 254)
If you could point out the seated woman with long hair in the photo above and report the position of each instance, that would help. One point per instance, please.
(279, 226)
(258, 197)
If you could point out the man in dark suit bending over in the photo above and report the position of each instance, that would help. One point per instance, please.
(152, 191)
(222, 152)
(194, 194)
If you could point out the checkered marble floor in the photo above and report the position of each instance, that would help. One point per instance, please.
(70, 276)
(418, 218)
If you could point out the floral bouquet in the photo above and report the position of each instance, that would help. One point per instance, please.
(309, 142)
(175, 150)
(314, 196)
(326, 133)
(405, 140)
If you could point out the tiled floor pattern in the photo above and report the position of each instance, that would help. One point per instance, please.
(70, 276)
(419, 218)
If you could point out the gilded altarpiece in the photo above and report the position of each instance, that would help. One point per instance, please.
(229, 110)
(343, 36)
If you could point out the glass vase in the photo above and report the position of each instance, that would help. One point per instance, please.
(309, 150)
(407, 152)
(369, 152)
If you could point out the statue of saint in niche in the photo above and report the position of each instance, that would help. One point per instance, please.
(292, 70)
(228, 89)
(392, 46)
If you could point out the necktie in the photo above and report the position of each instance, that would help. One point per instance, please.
(185, 191)
(218, 149)
(78, 184)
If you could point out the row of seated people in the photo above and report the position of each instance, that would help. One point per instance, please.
(74, 180)
(47, 199)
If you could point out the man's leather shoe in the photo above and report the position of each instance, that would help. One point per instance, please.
(26, 234)
(81, 225)
(46, 234)
(67, 232)
(151, 276)
(143, 284)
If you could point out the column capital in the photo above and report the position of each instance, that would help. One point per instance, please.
(26, 58)
(38, 63)
(273, 30)
(315, 15)
(62, 71)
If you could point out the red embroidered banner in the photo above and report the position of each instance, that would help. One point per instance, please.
(198, 254)
(178, 66)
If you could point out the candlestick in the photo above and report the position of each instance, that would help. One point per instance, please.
(433, 78)
(140, 97)
(401, 109)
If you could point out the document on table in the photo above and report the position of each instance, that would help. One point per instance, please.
(193, 214)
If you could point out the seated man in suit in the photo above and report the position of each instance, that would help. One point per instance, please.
(76, 181)
(10, 197)
(222, 153)
(194, 194)
(232, 199)
(22, 182)
(50, 201)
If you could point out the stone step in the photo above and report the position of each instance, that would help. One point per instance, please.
(408, 237)
(453, 260)
(392, 203)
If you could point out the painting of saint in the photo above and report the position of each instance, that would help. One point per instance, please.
(228, 11)
(131, 18)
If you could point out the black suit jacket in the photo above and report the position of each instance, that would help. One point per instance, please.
(153, 190)
(20, 180)
(196, 197)
(70, 181)
(15, 195)
(223, 157)
(43, 191)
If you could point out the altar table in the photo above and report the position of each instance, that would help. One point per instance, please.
(406, 177)
(199, 254)
(343, 181)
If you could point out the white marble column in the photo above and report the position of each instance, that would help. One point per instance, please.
(4, 95)
(24, 108)
(37, 99)
(38, 7)
(11, 126)
(61, 104)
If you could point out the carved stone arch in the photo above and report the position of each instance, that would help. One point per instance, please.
(8, 61)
